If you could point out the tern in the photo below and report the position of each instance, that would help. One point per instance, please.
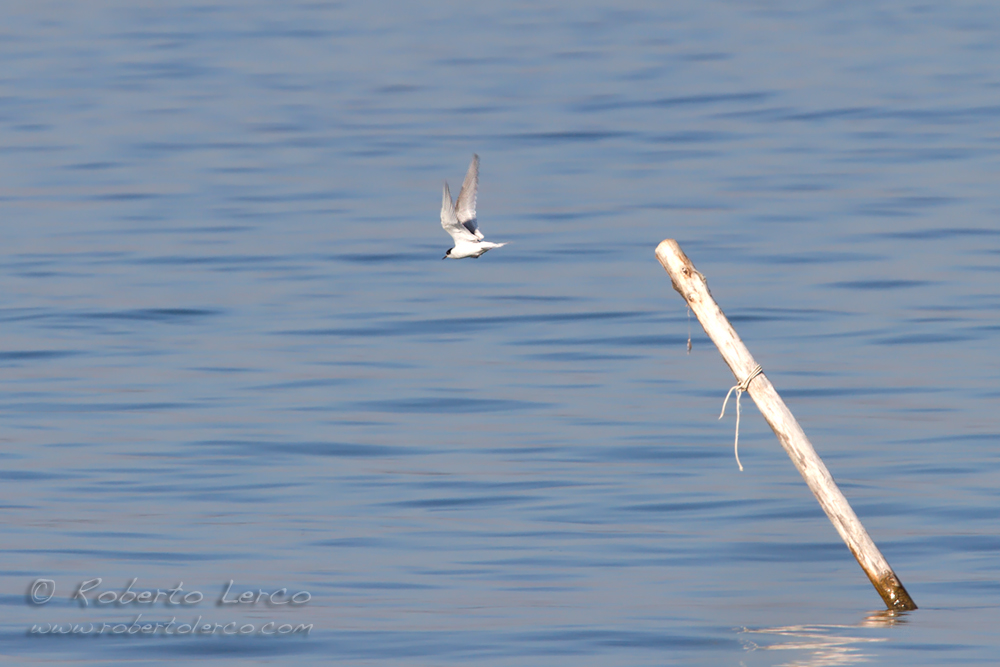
(459, 218)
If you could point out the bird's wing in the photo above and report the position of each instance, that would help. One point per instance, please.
(465, 208)
(450, 223)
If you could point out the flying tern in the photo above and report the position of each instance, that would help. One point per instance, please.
(459, 218)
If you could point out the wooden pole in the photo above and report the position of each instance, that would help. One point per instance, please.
(692, 286)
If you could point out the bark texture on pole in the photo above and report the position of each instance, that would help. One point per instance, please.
(691, 285)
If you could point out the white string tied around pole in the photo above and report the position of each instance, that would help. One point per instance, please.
(739, 389)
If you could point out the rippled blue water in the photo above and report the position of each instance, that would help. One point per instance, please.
(229, 350)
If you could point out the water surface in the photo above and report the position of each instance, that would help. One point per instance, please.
(230, 351)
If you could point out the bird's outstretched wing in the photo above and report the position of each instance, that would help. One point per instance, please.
(450, 222)
(465, 208)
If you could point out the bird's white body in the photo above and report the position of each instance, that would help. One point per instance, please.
(459, 218)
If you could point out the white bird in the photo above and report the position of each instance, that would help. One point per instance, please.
(459, 219)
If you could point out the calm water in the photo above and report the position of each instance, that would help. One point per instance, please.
(230, 350)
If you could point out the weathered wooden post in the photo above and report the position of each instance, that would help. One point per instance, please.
(692, 286)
